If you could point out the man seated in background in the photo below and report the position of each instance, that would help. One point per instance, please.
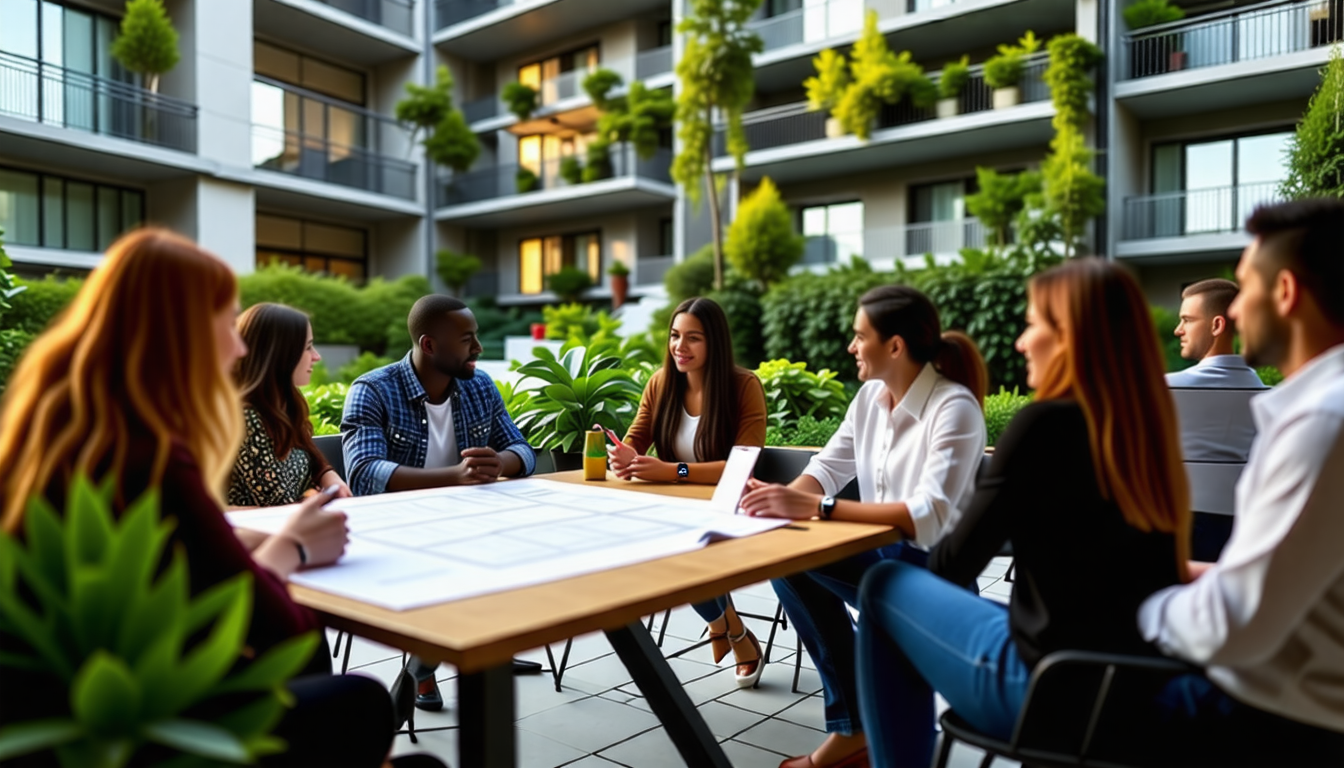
(430, 420)
(1267, 619)
(1206, 338)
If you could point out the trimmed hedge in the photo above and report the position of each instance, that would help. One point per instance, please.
(810, 317)
(12, 344)
(40, 302)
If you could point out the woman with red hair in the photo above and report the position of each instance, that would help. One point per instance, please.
(1086, 482)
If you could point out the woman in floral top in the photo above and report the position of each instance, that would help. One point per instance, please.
(277, 462)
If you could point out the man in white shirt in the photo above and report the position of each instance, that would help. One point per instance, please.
(1267, 619)
(1206, 337)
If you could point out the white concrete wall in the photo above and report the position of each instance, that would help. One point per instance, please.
(226, 222)
(397, 248)
(219, 37)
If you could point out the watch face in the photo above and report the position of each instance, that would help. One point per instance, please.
(683, 470)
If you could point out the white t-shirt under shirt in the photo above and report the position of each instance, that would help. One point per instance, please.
(684, 445)
(442, 450)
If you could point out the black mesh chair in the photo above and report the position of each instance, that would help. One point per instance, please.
(1075, 712)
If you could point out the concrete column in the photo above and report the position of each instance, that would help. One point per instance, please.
(217, 36)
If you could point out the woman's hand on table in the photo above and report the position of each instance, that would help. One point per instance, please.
(621, 456)
(321, 532)
(649, 468)
(775, 500)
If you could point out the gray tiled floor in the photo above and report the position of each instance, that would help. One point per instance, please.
(600, 720)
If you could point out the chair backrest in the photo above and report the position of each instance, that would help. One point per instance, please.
(778, 464)
(1213, 486)
(983, 469)
(1216, 424)
(330, 446)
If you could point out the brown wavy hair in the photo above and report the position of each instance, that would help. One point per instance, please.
(1111, 365)
(276, 336)
(717, 431)
(899, 310)
(134, 353)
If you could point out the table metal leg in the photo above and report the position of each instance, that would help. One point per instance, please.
(485, 715)
(666, 697)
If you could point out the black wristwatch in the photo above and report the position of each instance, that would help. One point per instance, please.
(825, 507)
(683, 471)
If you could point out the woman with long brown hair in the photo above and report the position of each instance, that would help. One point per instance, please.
(912, 438)
(1086, 482)
(694, 410)
(131, 386)
(278, 462)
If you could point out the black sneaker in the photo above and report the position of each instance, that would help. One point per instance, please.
(427, 696)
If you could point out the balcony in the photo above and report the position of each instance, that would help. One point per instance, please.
(789, 142)
(650, 65)
(450, 12)
(327, 140)
(52, 95)
(1194, 222)
(490, 30)
(884, 246)
(494, 196)
(1265, 52)
(392, 14)
(650, 270)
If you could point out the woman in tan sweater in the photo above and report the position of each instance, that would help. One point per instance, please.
(693, 412)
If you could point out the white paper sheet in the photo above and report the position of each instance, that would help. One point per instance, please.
(418, 548)
(733, 482)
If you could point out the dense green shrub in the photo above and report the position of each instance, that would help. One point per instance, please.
(1000, 408)
(570, 283)
(566, 321)
(12, 344)
(1146, 13)
(39, 302)
(792, 392)
(496, 322)
(762, 244)
(693, 276)
(372, 317)
(808, 432)
(326, 403)
(1315, 157)
(1270, 375)
(1165, 321)
(367, 361)
(741, 302)
(455, 269)
(810, 317)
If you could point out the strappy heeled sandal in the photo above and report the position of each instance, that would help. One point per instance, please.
(719, 643)
(749, 679)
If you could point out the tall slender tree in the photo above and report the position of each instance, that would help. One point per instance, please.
(716, 76)
(1316, 152)
(147, 43)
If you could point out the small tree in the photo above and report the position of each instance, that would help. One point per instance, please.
(448, 140)
(1316, 150)
(570, 283)
(147, 43)
(1001, 197)
(1072, 194)
(455, 269)
(761, 242)
(830, 83)
(877, 77)
(716, 75)
(521, 99)
(637, 118)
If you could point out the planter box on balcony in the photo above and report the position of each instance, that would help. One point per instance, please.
(833, 128)
(947, 108)
(1007, 97)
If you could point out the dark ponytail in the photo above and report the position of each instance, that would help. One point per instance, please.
(899, 310)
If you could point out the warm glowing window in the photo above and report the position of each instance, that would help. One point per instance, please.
(540, 257)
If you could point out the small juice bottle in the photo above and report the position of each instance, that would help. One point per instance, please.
(594, 455)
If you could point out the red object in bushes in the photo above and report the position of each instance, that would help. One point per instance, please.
(538, 331)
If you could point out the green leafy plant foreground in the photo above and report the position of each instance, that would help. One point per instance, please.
(792, 392)
(582, 387)
(83, 610)
(809, 432)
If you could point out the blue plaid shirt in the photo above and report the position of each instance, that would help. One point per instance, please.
(385, 425)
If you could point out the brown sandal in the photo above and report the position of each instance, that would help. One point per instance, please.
(754, 664)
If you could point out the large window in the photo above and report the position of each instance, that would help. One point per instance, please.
(316, 247)
(540, 257)
(52, 33)
(48, 211)
(1212, 186)
(834, 232)
(542, 153)
(560, 77)
(294, 123)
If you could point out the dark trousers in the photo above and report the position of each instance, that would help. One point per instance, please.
(337, 720)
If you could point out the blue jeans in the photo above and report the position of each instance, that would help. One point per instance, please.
(710, 610)
(919, 634)
(815, 603)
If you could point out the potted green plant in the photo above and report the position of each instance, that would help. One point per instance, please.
(1148, 13)
(455, 269)
(521, 99)
(1004, 71)
(569, 283)
(583, 387)
(87, 608)
(620, 282)
(524, 180)
(953, 79)
(571, 170)
(826, 87)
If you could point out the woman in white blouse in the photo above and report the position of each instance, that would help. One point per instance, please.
(913, 437)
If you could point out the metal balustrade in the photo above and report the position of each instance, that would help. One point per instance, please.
(1195, 211)
(650, 270)
(392, 14)
(450, 12)
(504, 180)
(54, 95)
(940, 238)
(1255, 32)
(795, 124)
(653, 62)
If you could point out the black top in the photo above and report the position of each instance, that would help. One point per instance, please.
(1082, 571)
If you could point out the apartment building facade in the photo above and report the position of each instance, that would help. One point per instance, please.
(273, 138)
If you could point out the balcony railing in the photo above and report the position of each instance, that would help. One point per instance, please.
(1196, 211)
(1256, 32)
(941, 238)
(50, 94)
(650, 270)
(795, 124)
(568, 85)
(393, 14)
(504, 180)
(450, 12)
